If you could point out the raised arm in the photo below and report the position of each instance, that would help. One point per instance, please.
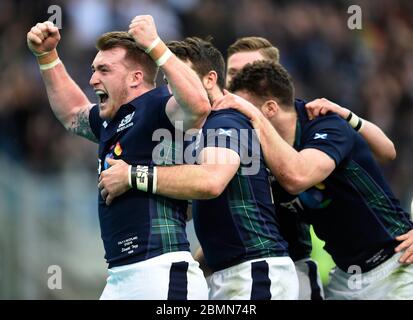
(204, 181)
(190, 102)
(382, 147)
(69, 104)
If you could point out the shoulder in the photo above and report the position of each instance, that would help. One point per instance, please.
(329, 121)
(227, 118)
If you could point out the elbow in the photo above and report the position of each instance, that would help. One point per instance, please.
(293, 184)
(390, 154)
(201, 112)
(212, 188)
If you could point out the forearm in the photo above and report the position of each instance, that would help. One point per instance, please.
(382, 147)
(184, 182)
(65, 96)
(284, 162)
(188, 90)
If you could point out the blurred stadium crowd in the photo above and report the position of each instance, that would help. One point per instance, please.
(369, 71)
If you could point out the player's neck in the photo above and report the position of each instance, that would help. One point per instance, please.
(214, 94)
(139, 91)
(286, 127)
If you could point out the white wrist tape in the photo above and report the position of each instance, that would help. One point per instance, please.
(40, 54)
(50, 65)
(355, 121)
(130, 176)
(143, 178)
(153, 45)
(164, 58)
(155, 180)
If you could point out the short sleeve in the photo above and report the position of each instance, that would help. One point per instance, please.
(95, 121)
(331, 135)
(226, 130)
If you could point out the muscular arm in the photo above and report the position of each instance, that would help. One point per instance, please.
(69, 104)
(205, 181)
(190, 102)
(295, 171)
(382, 147)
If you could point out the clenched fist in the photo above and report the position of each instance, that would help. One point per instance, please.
(143, 30)
(43, 38)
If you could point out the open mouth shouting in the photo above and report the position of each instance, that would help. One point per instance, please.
(102, 97)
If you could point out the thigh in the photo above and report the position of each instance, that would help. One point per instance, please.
(401, 281)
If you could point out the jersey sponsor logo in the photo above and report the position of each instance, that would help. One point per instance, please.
(322, 136)
(126, 122)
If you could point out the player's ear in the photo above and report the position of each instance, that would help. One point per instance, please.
(210, 80)
(270, 108)
(136, 78)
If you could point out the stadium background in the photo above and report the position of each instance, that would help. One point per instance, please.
(48, 211)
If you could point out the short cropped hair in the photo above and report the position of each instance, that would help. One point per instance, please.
(122, 39)
(265, 79)
(203, 56)
(262, 45)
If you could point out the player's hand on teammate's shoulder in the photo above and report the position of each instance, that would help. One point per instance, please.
(143, 30)
(406, 245)
(233, 101)
(43, 38)
(320, 107)
(114, 181)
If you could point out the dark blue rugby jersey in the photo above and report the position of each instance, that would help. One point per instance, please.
(353, 210)
(293, 228)
(240, 224)
(137, 225)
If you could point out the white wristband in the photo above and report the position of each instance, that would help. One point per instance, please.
(130, 176)
(153, 45)
(355, 121)
(142, 178)
(155, 180)
(40, 54)
(164, 58)
(50, 65)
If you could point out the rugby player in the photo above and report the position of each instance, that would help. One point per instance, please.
(296, 232)
(143, 234)
(233, 211)
(327, 175)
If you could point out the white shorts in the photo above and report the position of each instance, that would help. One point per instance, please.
(309, 280)
(170, 276)
(390, 280)
(259, 279)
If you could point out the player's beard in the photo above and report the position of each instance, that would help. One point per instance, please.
(114, 102)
